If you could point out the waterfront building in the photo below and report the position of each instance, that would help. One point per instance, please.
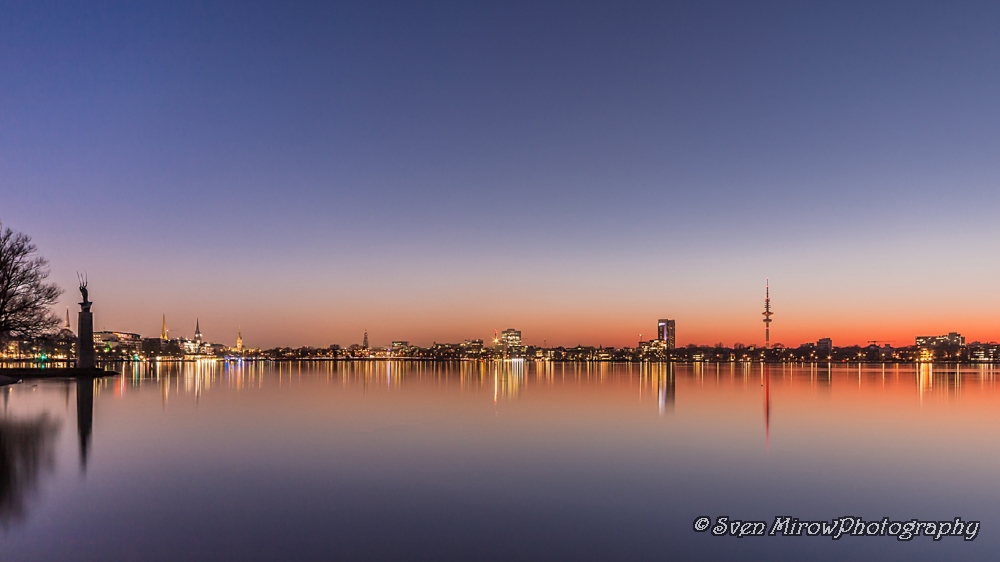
(655, 349)
(189, 347)
(239, 339)
(951, 339)
(665, 332)
(445, 351)
(510, 337)
(107, 340)
(152, 345)
(824, 346)
(511, 342)
(984, 351)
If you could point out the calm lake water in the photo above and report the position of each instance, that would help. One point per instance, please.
(505, 461)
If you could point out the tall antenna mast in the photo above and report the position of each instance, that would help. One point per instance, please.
(767, 314)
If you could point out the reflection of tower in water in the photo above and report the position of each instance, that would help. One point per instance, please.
(661, 378)
(766, 374)
(666, 388)
(84, 416)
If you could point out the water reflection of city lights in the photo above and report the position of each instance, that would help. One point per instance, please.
(510, 379)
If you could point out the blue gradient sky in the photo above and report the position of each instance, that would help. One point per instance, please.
(576, 170)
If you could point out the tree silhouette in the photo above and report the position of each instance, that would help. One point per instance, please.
(27, 449)
(25, 297)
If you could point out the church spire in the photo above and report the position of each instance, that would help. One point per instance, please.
(197, 330)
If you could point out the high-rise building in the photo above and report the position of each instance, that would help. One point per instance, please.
(665, 332)
(510, 343)
(511, 337)
(364, 345)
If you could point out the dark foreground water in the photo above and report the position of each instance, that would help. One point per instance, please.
(507, 461)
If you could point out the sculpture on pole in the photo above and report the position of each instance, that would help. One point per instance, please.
(83, 287)
(85, 329)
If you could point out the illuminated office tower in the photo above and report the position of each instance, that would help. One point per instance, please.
(510, 341)
(665, 333)
(511, 338)
(365, 344)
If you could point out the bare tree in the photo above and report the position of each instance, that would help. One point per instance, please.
(25, 297)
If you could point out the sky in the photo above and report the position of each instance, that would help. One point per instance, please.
(433, 171)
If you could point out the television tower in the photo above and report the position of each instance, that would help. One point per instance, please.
(767, 314)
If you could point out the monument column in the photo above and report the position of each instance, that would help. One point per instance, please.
(85, 332)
